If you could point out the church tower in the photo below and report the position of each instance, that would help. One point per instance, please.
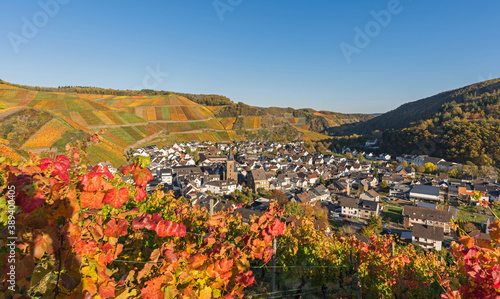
(231, 173)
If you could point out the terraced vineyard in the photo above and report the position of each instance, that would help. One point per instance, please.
(101, 118)
(47, 101)
(137, 101)
(208, 136)
(134, 119)
(170, 112)
(313, 135)
(9, 153)
(126, 136)
(6, 86)
(47, 135)
(228, 122)
(252, 122)
(194, 126)
(215, 109)
(288, 117)
(100, 152)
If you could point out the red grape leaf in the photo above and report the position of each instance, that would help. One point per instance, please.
(116, 199)
(116, 228)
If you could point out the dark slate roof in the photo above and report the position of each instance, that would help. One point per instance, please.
(321, 190)
(221, 183)
(349, 202)
(427, 214)
(259, 174)
(368, 205)
(425, 189)
(427, 205)
(428, 232)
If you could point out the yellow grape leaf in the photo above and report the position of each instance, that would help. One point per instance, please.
(216, 293)
(170, 293)
(206, 293)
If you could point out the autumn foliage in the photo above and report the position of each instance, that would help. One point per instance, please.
(83, 234)
(90, 234)
(346, 266)
(477, 260)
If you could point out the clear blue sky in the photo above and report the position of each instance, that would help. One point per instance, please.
(263, 53)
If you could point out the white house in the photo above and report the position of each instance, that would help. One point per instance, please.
(428, 236)
(221, 186)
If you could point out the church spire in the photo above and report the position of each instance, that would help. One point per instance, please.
(231, 157)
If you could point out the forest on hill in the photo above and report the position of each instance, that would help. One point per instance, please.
(462, 125)
(405, 114)
(317, 121)
(463, 132)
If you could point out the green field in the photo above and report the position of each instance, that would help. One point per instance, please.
(470, 217)
(393, 213)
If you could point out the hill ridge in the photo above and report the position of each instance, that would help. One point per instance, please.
(137, 118)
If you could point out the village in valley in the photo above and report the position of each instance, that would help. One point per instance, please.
(415, 197)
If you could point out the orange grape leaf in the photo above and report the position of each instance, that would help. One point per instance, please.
(210, 241)
(197, 261)
(107, 289)
(92, 200)
(467, 241)
(153, 289)
(115, 228)
(91, 182)
(116, 199)
(73, 233)
(89, 285)
(494, 232)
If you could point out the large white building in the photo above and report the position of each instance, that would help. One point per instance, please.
(221, 186)
(425, 192)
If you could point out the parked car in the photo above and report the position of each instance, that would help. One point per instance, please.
(397, 199)
(334, 215)
(385, 199)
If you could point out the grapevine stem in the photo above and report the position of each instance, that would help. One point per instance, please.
(56, 292)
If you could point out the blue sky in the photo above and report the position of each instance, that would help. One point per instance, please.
(263, 53)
